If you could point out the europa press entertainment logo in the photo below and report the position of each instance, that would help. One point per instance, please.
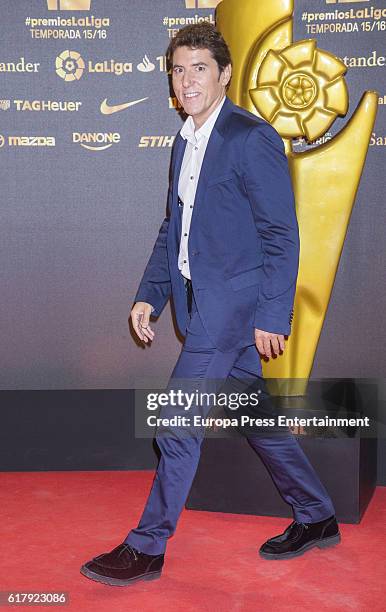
(68, 5)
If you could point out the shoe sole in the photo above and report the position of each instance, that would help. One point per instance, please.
(116, 581)
(325, 543)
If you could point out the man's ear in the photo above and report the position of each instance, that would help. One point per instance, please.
(225, 75)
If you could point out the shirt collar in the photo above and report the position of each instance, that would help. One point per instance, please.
(189, 132)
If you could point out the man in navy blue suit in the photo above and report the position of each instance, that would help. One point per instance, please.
(227, 253)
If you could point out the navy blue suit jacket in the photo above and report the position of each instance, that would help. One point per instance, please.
(243, 241)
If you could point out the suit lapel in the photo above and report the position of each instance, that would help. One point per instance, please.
(208, 163)
(212, 153)
(179, 151)
(177, 157)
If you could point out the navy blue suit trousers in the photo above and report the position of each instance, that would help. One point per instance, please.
(203, 366)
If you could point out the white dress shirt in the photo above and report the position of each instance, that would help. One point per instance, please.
(197, 141)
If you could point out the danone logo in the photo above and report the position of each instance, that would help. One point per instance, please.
(68, 5)
(197, 4)
(96, 141)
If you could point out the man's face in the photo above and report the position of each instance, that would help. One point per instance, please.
(197, 82)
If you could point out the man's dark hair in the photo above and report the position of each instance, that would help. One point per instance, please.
(201, 36)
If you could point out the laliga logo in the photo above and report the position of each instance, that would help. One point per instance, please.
(68, 5)
(69, 65)
(198, 4)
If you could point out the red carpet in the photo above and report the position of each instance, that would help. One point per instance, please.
(54, 521)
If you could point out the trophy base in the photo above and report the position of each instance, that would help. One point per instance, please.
(231, 478)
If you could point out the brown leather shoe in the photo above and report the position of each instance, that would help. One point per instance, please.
(122, 566)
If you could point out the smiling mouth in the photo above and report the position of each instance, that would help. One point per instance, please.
(191, 95)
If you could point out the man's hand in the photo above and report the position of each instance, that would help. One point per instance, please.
(140, 317)
(269, 344)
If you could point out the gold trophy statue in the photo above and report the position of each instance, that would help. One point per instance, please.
(300, 90)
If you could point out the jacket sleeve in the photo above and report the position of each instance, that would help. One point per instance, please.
(155, 286)
(268, 184)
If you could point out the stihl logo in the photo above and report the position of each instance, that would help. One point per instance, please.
(68, 5)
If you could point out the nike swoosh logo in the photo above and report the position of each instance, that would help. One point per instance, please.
(106, 109)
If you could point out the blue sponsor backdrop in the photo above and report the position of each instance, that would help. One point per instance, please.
(83, 192)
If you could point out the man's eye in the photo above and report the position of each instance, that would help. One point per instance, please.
(201, 68)
(176, 70)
